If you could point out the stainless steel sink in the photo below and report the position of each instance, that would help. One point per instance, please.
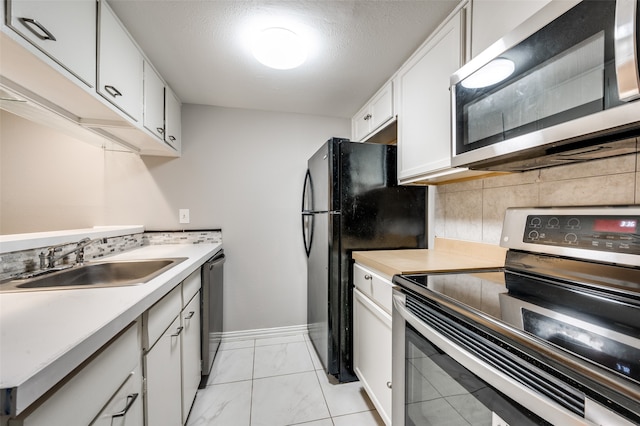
(95, 274)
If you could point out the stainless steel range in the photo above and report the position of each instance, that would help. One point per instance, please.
(551, 338)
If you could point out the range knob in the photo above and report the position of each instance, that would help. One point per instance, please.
(533, 235)
(536, 222)
(554, 222)
(573, 223)
(571, 238)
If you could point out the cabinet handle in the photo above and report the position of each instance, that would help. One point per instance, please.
(389, 385)
(29, 23)
(368, 277)
(191, 314)
(160, 130)
(112, 91)
(367, 117)
(178, 331)
(130, 400)
(172, 138)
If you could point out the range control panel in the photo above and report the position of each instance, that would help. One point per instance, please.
(617, 234)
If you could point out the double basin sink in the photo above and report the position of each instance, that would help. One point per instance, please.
(115, 273)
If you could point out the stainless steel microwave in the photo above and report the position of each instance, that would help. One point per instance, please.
(561, 88)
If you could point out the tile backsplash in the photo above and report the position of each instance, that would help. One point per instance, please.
(474, 210)
(29, 260)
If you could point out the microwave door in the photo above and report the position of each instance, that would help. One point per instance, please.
(571, 83)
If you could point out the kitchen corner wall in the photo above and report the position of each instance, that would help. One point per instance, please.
(474, 210)
(240, 170)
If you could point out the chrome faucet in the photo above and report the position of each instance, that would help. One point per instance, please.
(49, 260)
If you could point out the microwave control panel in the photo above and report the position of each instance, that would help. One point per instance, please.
(617, 234)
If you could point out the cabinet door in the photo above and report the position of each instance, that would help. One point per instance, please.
(372, 352)
(361, 124)
(153, 101)
(190, 354)
(424, 111)
(63, 29)
(381, 108)
(163, 378)
(492, 19)
(374, 114)
(88, 390)
(120, 69)
(173, 130)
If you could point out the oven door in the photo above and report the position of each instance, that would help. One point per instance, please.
(567, 79)
(438, 381)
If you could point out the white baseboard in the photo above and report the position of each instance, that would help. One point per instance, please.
(262, 333)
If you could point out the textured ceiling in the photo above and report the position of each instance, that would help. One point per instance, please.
(199, 47)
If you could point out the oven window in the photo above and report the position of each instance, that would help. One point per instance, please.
(440, 391)
(607, 352)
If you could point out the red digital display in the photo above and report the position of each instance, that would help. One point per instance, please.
(615, 225)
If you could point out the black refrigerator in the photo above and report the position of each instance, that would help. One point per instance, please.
(351, 201)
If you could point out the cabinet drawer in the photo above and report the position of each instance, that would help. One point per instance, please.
(190, 286)
(158, 318)
(125, 408)
(80, 397)
(374, 286)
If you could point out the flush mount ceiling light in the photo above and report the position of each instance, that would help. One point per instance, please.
(492, 73)
(279, 48)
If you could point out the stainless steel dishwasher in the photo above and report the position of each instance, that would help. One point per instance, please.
(211, 301)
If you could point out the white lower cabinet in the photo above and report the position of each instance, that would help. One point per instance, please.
(109, 383)
(191, 354)
(372, 337)
(162, 361)
(163, 378)
(171, 345)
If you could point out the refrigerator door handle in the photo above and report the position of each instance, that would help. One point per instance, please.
(307, 216)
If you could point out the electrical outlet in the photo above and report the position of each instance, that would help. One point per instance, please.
(184, 215)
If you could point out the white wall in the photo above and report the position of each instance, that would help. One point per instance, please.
(49, 181)
(241, 171)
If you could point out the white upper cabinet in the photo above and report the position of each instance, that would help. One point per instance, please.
(65, 30)
(492, 19)
(377, 112)
(120, 65)
(424, 106)
(153, 101)
(89, 81)
(424, 114)
(173, 123)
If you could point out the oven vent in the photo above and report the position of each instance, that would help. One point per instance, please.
(495, 354)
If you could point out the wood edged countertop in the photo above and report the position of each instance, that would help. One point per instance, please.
(446, 255)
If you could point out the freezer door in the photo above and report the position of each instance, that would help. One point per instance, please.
(318, 288)
(320, 179)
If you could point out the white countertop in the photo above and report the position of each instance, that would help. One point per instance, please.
(44, 335)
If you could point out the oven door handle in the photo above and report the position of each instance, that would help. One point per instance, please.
(488, 373)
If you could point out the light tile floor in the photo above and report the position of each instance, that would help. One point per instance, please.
(276, 382)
